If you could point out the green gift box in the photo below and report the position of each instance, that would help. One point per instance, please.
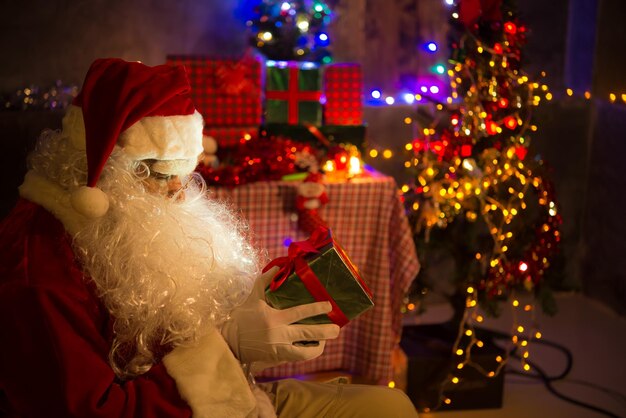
(292, 93)
(318, 269)
(330, 134)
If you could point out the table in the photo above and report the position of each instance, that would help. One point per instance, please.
(367, 218)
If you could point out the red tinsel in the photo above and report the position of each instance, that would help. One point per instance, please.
(256, 159)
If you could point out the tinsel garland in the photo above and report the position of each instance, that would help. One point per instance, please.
(259, 159)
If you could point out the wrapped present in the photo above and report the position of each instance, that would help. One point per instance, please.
(230, 136)
(318, 269)
(326, 135)
(343, 89)
(292, 93)
(227, 92)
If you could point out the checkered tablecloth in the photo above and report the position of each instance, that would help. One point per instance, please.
(367, 218)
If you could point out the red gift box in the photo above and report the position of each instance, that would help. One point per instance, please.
(227, 92)
(343, 87)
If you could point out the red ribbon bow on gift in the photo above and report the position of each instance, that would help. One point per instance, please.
(295, 262)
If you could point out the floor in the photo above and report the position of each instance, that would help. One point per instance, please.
(596, 337)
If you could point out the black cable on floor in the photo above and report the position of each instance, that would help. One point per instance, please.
(547, 380)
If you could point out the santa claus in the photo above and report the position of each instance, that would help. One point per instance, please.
(124, 290)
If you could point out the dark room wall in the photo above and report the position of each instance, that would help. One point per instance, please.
(45, 40)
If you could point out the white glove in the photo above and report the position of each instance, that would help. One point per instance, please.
(262, 336)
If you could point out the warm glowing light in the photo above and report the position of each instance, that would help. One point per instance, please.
(516, 303)
(266, 36)
(537, 335)
(509, 27)
(329, 166)
(468, 332)
(447, 401)
(479, 318)
(479, 344)
(459, 352)
(387, 153)
(390, 100)
(587, 95)
(354, 166)
(373, 153)
(491, 374)
(520, 329)
(569, 92)
(527, 367)
(455, 380)
(470, 290)
(376, 94)
(410, 306)
(523, 266)
(391, 384)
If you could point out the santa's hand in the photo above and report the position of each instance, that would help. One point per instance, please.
(263, 336)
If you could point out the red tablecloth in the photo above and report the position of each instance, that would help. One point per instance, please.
(367, 218)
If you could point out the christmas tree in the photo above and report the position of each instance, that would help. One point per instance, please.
(291, 30)
(478, 191)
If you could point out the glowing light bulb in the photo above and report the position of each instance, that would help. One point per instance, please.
(434, 89)
(431, 46)
(390, 100)
(376, 94)
(409, 98)
(303, 25)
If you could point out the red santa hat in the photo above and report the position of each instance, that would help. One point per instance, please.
(144, 110)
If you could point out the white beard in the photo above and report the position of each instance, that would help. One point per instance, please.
(166, 270)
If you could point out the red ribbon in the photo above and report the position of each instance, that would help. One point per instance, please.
(293, 95)
(295, 262)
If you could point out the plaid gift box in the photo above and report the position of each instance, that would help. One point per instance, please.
(343, 88)
(319, 270)
(293, 93)
(230, 136)
(227, 92)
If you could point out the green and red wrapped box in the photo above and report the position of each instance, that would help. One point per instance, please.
(292, 93)
(318, 269)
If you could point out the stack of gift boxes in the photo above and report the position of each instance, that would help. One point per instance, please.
(297, 100)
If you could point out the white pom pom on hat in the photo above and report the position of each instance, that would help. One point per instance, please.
(117, 94)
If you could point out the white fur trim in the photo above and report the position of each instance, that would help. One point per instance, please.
(74, 126)
(179, 168)
(164, 138)
(90, 201)
(210, 379)
(56, 200)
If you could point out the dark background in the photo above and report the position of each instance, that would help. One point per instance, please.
(580, 44)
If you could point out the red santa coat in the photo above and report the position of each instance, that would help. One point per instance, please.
(56, 334)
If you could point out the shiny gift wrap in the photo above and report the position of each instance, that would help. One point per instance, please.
(319, 270)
